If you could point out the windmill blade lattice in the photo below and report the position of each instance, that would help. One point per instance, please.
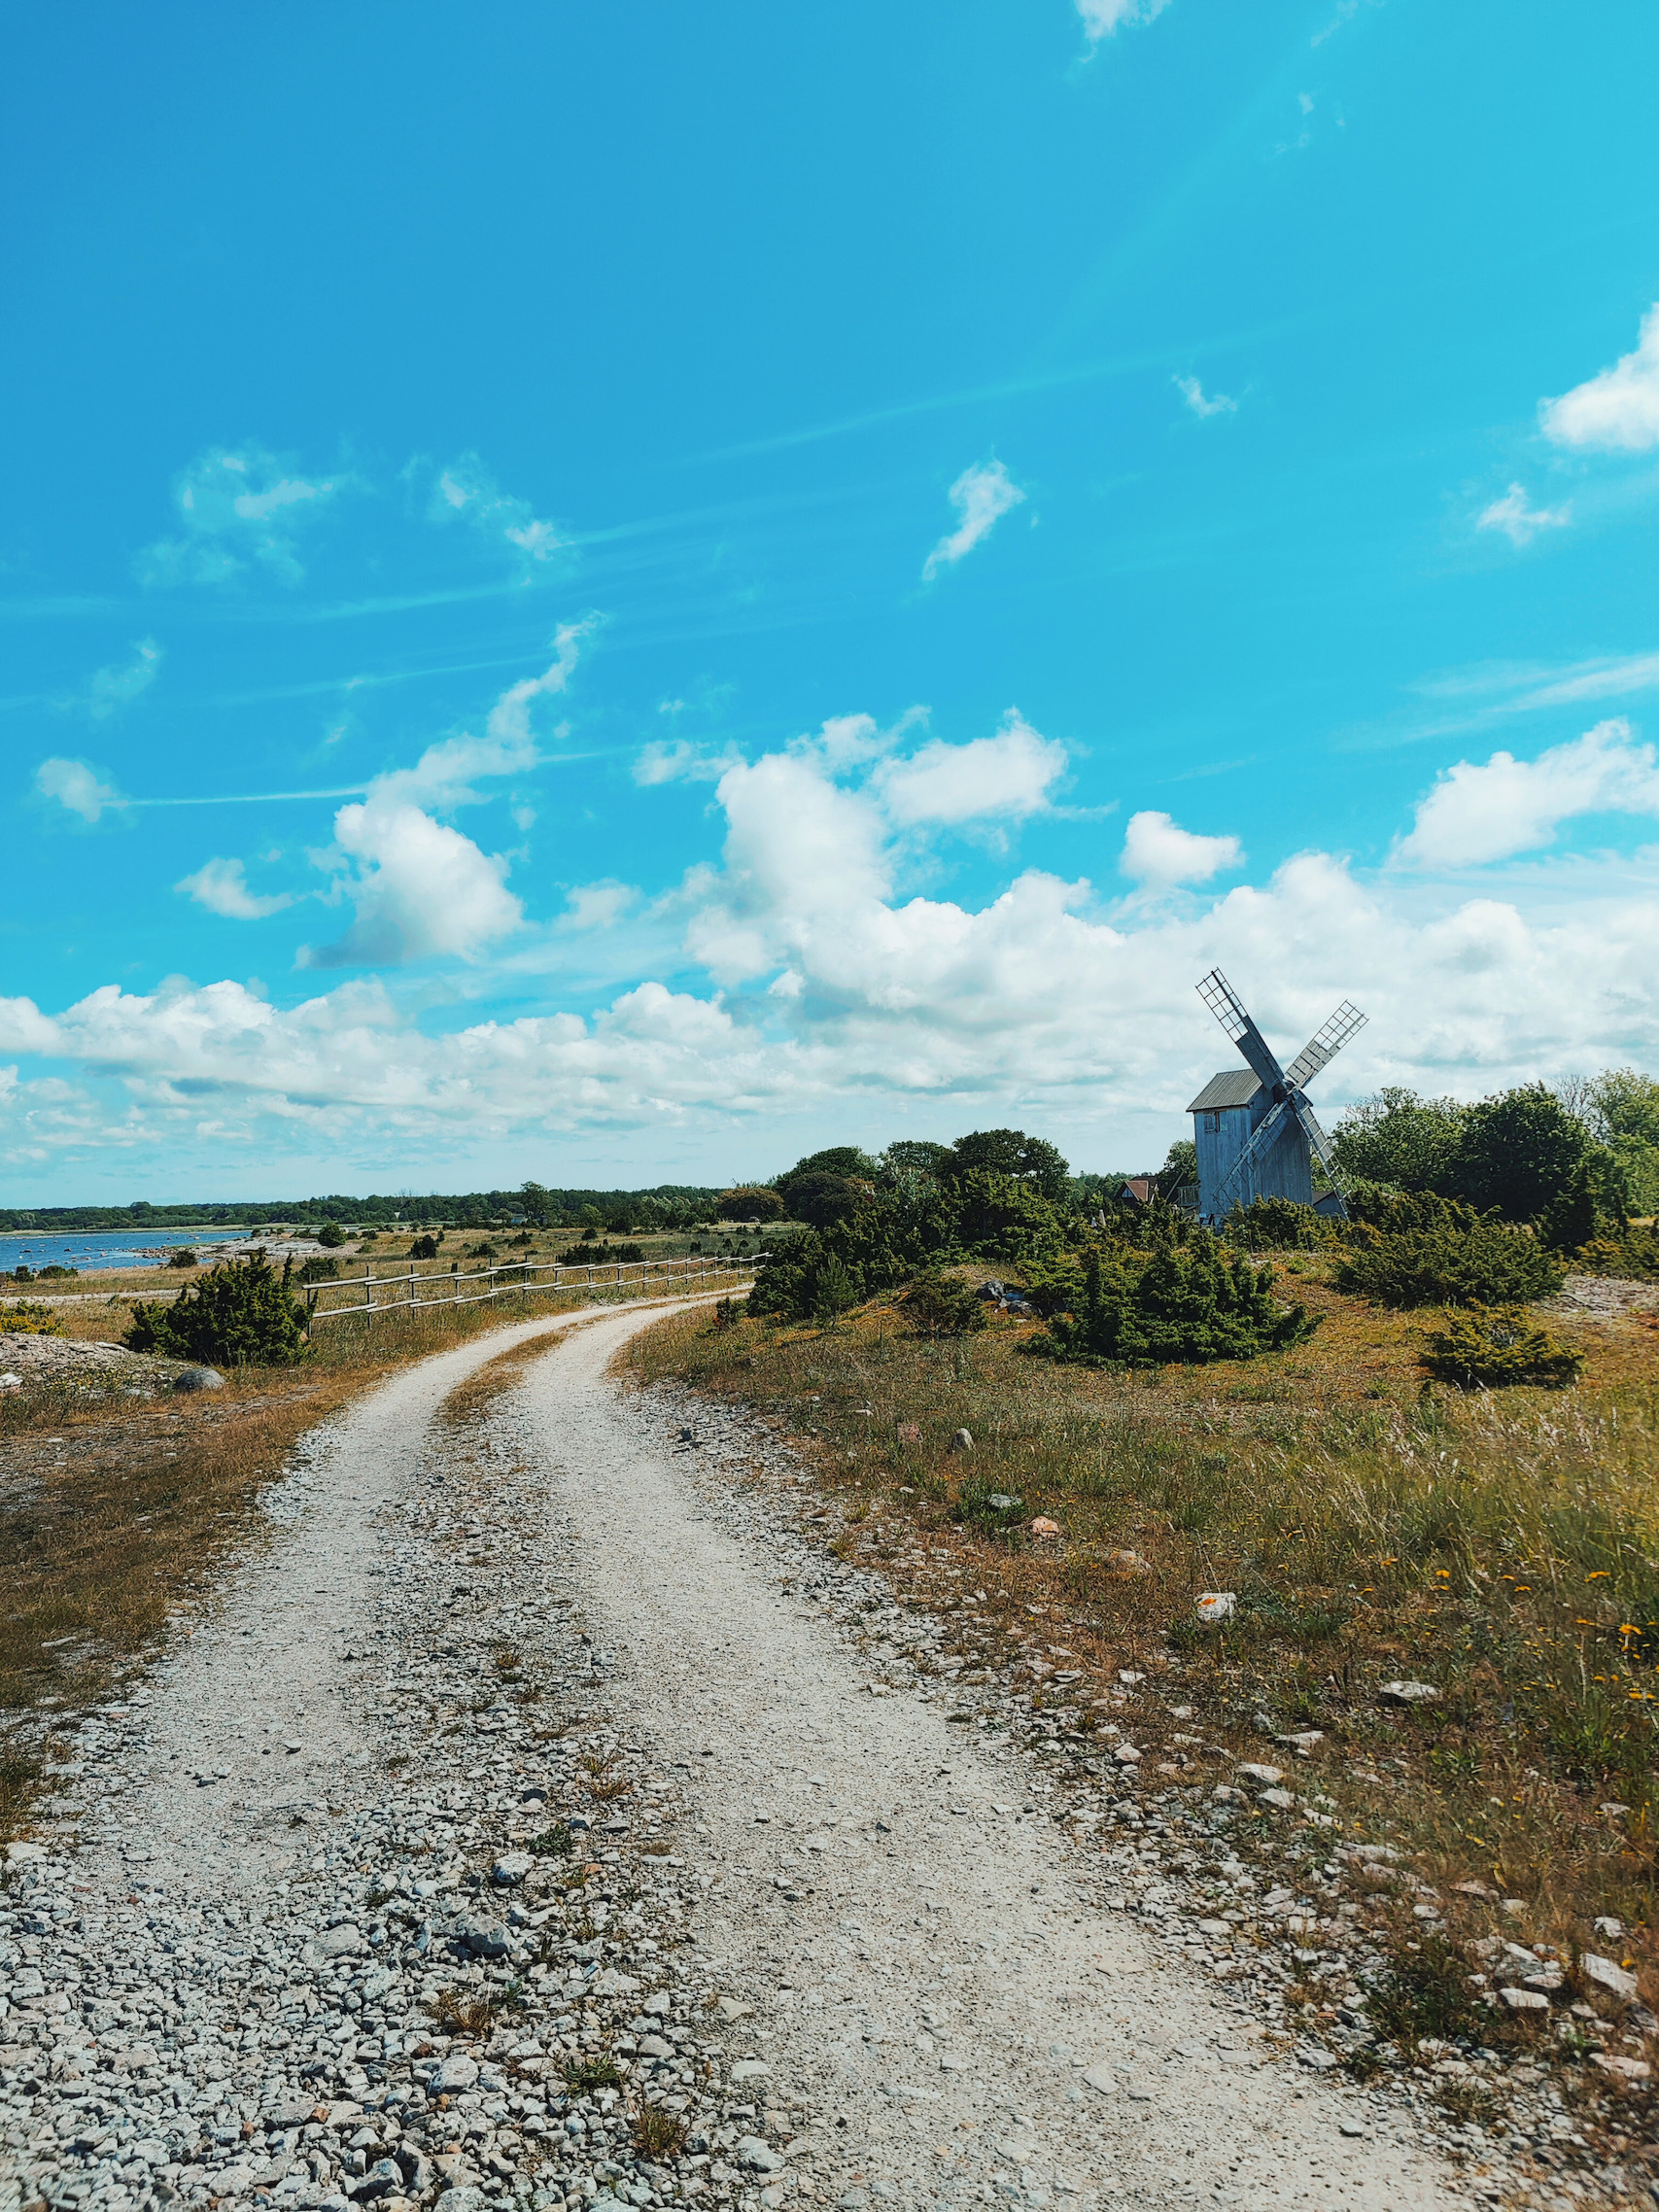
(1325, 1044)
(1229, 1008)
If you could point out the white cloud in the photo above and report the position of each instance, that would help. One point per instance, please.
(980, 495)
(75, 786)
(114, 687)
(445, 774)
(421, 891)
(237, 509)
(1101, 18)
(682, 762)
(598, 906)
(1215, 403)
(1009, 775)
(1520, 523)
(221, 886)
(466, 491)
(1616, 411)
(1478, 813)
(1158, 852)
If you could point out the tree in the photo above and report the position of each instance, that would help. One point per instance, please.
(845, 1162)
(749, 1202)
(1011, 1153)
(1179, 1167)
(1623, 1113)
(914, 1156)
(1400, 1139)
(822, 1197)
(1520, 1154)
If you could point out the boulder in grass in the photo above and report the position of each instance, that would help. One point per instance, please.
(1213, 1607)
(1608, 1975)
(1409, 1693)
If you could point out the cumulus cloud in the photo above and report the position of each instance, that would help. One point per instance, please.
(980, 495)
(421, 891)
(221, 886)
(1158, 851)
(1490, 810)
(466, 492)
(1519, 522)
(1201, 405)
(1616, 411)
(826, 983)
(116, 688)
(1009, 776)
(1101, 18)
(238, 509)
(421, 888)
(77, 788)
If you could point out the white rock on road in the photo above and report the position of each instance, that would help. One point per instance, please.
(589, 1821)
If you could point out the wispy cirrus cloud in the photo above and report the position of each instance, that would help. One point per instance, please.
(1616, 411)
(981, 495)
(466, 492)
(1201, 403)
(1101, 18)
(238, 510)
(113, 688)
(1520, 522)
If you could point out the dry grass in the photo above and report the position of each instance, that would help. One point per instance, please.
(1504, 1548)
(658, 2135)
(463, 2012)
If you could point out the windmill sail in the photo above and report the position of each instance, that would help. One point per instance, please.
(1224, 1003)
(1324, 1045)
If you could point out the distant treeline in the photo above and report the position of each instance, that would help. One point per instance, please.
(667, 1205)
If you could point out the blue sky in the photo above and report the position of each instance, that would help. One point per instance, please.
(615, 594)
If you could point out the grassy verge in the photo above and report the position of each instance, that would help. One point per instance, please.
(116, 1515)
(1502, 1549)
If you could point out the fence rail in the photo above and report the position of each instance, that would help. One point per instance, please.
(514, 1278)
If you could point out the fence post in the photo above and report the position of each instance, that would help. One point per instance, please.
(368, 1292)
(411, 1285)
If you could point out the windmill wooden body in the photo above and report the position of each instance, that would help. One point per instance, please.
(1256, 1133)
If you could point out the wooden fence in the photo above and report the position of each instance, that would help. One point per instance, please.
(516, 1278)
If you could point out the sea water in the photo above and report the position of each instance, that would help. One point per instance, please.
(90, 1250)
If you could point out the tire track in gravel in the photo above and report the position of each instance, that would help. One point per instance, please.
(931, 1968)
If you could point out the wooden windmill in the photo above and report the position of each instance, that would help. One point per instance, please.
(1255, 1131)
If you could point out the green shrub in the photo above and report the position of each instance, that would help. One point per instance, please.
(29, 1317)
(331, 1236)
(1486, 1347)
(424, 1248)
(240, 1314)
(938, 1304)
(1485, 1263)
(318, 1270)
(1633, 1255)
(1188, 1306)
(991, 1512)
(1275, 1224)
(804, 1281)
(182, 1255)
(1372, 1205)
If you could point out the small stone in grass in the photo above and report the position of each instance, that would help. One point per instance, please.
(963, 1441)
(1409, 1693)
(1524, 2000)
(1042, 1526)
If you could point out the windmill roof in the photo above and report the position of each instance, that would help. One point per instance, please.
(1233, 1087)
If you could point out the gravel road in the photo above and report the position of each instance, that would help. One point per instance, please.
(520, 1828)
